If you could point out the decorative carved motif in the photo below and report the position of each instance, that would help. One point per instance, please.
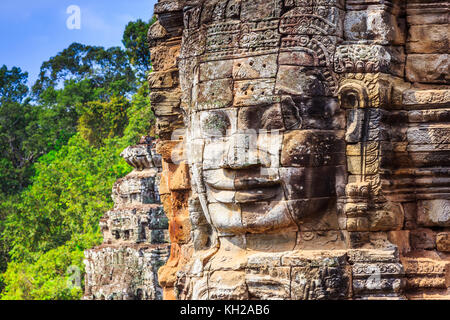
(310, 20)
(369, 59)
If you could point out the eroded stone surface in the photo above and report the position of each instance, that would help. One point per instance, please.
(135, 234)
(428, 68)
(317, 154)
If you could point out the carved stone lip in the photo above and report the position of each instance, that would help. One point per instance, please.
(267, 193)
(256, 195)
(244, 183)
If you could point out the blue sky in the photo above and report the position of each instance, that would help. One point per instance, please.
(32, 31)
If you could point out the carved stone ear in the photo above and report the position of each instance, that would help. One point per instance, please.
(355, 122)
(353, 96)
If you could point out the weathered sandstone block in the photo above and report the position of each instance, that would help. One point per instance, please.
(428, 68)
(374, 25)
(428, 39)
(434, 213)
(443, 241)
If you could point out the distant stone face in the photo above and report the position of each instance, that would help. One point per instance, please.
(135, 234)
(304, 148)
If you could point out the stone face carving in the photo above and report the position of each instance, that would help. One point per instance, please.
(135, 235)
(304, 148)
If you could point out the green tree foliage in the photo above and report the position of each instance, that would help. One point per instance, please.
(4, 246)
(75, 77)
(58, 215)
(18, 125)
(71, 187)
(102, 120)
(13, 84)
(56, 275)
(135, 41)
(107, 71)
(140, 116)
(59, 158)
(68, 85)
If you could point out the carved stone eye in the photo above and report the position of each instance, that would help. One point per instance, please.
(215, 124)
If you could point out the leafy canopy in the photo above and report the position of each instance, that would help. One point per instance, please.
(135, 41)
(59, 157)
(13, 87)
(107, 71)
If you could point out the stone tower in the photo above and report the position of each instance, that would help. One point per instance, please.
(135, 236)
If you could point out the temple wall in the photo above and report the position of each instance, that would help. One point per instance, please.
(365, 168)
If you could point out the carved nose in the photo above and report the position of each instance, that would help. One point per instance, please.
(242, 152)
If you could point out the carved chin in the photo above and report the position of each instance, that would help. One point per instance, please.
(255, 217)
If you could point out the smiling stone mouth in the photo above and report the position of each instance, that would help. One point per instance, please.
(244, 184)
(261, 193)
(255, 195)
